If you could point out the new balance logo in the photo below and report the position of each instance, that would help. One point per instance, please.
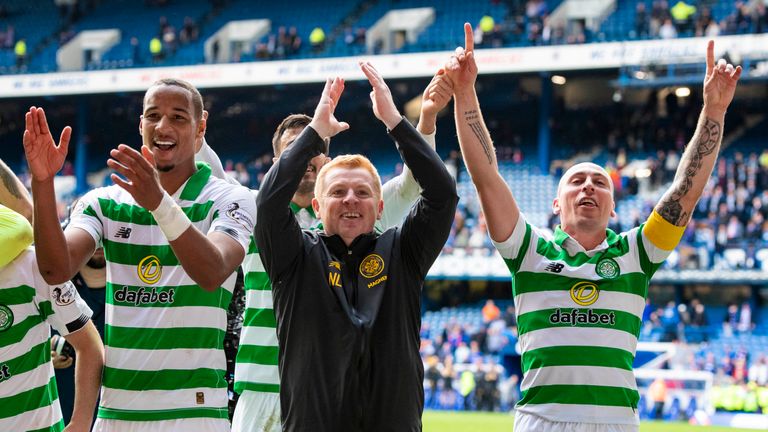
(554, 267)
(123, 232)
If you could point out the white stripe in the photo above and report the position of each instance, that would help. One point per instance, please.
(146, 235)
(157, 400)
(578, 375)
(655, 254)
(263, 374)
(166, 317)
(258, 299)
(578, 336)
(555, 412)
(160, 359)
(510, 247)
(618, 301)
(252, 263)
(171, 276)
(39, 418)
(264, 336)
(36, 335)
(37, 377)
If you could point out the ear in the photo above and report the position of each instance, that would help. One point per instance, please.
(556, 206)
(141, 121)
(316, 207)
(613, 209)
(380, 209)
(201, 128)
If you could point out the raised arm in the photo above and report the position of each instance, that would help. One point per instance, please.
(59, 257)
(499, 206)
(401, 192)
(13, 194)
(695, 168)
(277, 233)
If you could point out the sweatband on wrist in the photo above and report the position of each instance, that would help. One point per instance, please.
(170, 218)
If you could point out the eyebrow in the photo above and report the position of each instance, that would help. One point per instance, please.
(154, 107)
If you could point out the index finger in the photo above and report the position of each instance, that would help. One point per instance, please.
(710, 56)
(326, 90)
(469, 39)
(370, 73)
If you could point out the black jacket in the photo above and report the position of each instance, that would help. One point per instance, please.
(348, 319)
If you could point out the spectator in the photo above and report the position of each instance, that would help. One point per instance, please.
(745, 318)
(658, 394)
(317, 39)
(20, 49)
(682, 13)
(156, 49)
(189, 32)
(490, 311)
(667, 30)
(641, 22)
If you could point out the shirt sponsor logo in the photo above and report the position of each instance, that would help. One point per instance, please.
(580, 317)
(607, 268)
(149, 269)
(377, 281)
(123, 232)
(6, 318)
(372, 266)
(143, 296)
(585, 293)
(239, 216)
(64, 294)
(5, 373)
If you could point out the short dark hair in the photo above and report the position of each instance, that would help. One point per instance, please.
(290, 122)
(197, 98)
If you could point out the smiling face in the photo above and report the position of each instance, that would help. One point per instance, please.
(584, 199)
(348, 199)
(170, 125)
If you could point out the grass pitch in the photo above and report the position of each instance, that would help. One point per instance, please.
(449, 421)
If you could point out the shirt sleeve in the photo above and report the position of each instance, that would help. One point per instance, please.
(62, 306)
(659, 239)
(87, 216)
(511, 247)
(15, 235)
(236, 211)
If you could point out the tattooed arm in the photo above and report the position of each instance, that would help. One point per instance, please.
(499, 206)
(13, 194)
(700, 155)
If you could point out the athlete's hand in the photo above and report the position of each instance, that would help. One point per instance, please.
(324, 122)
(140, 176)
(435, 97)
(719, 83)
(44, 157)
(461, 68)
(383, 105)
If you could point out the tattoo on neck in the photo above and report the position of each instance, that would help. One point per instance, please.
(9, 181)
(706, 142)
(473, 119)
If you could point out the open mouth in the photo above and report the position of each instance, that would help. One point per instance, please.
(164, 145)
(587, 202)
(350, 215)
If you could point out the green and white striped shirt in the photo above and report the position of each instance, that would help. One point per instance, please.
(28, 309)
(579, 316)
(163, 334)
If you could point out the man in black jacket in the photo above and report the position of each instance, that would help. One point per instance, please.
(347, 300)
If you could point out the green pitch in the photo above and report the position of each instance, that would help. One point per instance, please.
(446, 421)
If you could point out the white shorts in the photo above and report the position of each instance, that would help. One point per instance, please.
(257, 411)
(178, 425)
(531, 423)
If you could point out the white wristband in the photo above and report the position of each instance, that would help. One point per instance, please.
(170, 218)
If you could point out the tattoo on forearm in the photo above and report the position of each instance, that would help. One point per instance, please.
(705, 143)
(473, 119)
(9, 181)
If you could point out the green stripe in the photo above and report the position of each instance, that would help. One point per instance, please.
(581, 395)
(514, 264)
(17, 331)
(46, 309)
(18, 295)
(529, 282)
(58, 427)
(183, 295)
(39, 354)
(29, 400)
(173, 414)
(129, 213)
(166, 379)
(645, 263)
(89, 211)
(241, 386)
(257, 281)
(550, 251)
(132, 254)
(166, 338)
(259, 318)
(540, 319)
(252, 247)
(577, 356)
(257, 354)
(196, 183)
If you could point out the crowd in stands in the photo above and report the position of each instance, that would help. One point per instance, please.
(683, 19)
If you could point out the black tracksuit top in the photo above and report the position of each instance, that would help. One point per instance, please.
(348, 319)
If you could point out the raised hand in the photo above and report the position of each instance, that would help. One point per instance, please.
(461, 68)
(719, 83)
(383, 105)
(324, 122)
(44, 157)
(437, 94)
(141, 178)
